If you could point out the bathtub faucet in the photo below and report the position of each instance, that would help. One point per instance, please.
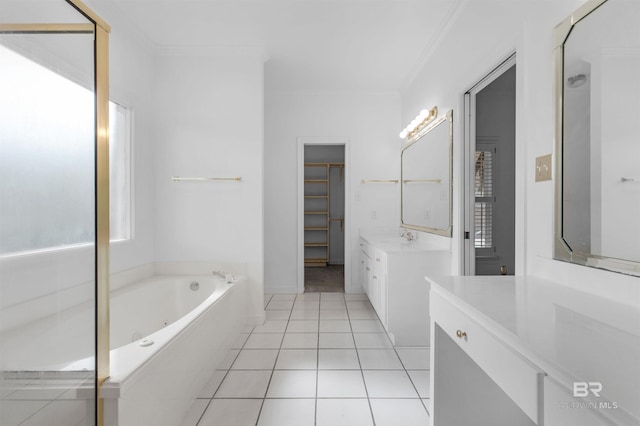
(229, 278)
(220, 274)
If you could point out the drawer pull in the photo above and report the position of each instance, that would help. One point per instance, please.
(368, 269)
(377, 259)
(362, 261)
(461, 334)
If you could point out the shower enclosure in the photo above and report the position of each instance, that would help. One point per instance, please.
(54, 213)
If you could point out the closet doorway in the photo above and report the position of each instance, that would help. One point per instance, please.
(490, 171)
(324, 217)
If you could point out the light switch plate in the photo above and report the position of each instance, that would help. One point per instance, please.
(543, 168)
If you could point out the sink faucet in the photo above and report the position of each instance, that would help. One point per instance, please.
(408, 235)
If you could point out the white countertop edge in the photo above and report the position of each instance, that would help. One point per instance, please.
(556, 373)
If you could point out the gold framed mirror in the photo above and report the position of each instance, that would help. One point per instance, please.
(426, 178)
(597, 191)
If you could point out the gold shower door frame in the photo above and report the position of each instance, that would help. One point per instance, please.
(101, 30)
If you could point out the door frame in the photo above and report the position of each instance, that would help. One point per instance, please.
(302, 141)
(468, 247)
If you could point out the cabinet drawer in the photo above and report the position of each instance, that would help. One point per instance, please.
(516, 376)
(365, 247)
(380, 261)
(364, 257)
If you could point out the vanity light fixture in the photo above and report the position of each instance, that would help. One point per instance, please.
(419, 122)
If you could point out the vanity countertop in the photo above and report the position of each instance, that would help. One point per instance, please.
(570, 335)
(391, 243)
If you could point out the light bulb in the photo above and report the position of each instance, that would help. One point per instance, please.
(403, 134)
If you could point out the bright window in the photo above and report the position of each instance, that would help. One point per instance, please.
(119, 172)
(484, 197)
(47, 160)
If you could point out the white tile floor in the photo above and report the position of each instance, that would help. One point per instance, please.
(46, 398)
(320, 359)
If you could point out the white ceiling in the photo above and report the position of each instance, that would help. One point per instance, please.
(313, 45)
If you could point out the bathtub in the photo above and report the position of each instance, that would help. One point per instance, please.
(169, 334)
(186, 334)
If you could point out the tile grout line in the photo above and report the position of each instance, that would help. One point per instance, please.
(315, 412)
(207, 407)
(226, 373)
(318, 333)
(411, 380)
(403, 367)
(274, 364)
(364, 382)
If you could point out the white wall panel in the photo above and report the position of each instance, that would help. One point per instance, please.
(370, 123)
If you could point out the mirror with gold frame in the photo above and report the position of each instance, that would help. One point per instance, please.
(426, 170)
(597, 158)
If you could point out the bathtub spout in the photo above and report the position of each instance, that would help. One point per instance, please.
(229, 278)
(220, 274)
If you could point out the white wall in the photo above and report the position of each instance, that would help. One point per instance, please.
(209, 122)
(131, 84)
(484, 34)
(370, 124)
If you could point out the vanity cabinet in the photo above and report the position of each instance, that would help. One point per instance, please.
(509, 351)
(508, 380)
(392, 271)
(374, 276)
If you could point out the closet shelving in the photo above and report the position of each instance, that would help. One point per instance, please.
(316, 212)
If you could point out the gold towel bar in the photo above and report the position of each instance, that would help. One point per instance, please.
(379, 181)
(422, 181)
(182, 179)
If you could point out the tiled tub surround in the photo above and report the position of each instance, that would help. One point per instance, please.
(319, 359)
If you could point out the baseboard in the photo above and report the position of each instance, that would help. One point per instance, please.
(281, 290)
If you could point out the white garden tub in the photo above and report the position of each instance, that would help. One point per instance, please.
(185, 333)
(170, 332)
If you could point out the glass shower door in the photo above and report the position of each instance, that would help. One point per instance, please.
(49, 251)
